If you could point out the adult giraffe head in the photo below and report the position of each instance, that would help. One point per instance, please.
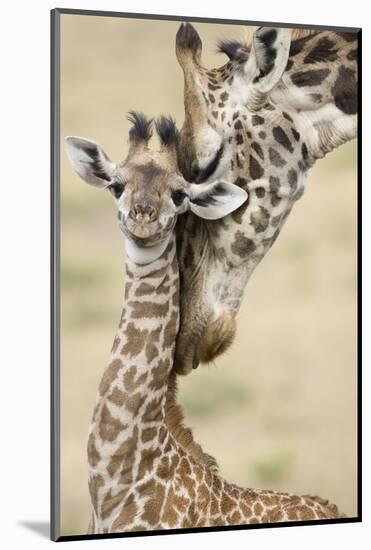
(148, 188)
(259, 121)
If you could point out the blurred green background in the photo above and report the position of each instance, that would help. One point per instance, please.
(279, 409)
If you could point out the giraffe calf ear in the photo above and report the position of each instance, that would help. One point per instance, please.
(267, 61)
(89, 161)
(213, 201)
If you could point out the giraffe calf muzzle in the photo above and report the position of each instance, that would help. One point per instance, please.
(143, 213)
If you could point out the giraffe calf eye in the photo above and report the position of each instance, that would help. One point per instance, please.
(116, 189)
(178, 196)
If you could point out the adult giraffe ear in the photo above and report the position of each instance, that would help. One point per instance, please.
(89, 161)
(215, 200)
(266, 63)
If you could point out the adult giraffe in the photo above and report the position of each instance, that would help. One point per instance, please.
(260, 121)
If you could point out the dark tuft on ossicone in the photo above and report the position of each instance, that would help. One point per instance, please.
(233, 49)
(167, 131)
(187, 38)
(142, 127)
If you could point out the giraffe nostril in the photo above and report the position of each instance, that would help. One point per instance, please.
(143, 211)
(151, 212)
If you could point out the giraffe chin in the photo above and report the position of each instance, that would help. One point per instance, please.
(215, 339)
(141, 254)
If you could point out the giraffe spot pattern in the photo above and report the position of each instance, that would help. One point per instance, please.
(110, 374)
(260, 192)
(348, 36)
(109, 426)
(292, 177)
(345, 91)
(317, 98)
(296, 134)
(260, 219)
(287, 116)
(256, 171)
(135, 340)
(257, 120)
(117, 396)
(128, 512)
(324, 50)
(258, 150)
(171, 330)
(146, 310)
(151, 347)
(133, 403)
(304, 151)
(148, 434)
(274, 187)
(95, 483)
(313, 77)
(281, 137)
(242, 246)
(148, 456)
(276, 158)
(159, 374)
(352, 55)
(93, 453)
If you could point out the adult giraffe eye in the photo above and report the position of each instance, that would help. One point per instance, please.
(200, 176)
(116, 189)
(178, 196)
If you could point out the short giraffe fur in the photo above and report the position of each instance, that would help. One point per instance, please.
(145, 471)
(259, 121)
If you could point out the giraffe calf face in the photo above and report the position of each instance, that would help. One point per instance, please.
(149, 195)
(147, 187)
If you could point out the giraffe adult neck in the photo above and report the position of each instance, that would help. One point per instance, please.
(128, 434)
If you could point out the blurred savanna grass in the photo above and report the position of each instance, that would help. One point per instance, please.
(279, 409)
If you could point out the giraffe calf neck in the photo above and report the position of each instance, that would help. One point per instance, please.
(145, 471)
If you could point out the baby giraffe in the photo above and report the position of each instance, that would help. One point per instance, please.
(142, 475)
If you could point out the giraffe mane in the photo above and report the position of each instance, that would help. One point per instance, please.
(174, 418)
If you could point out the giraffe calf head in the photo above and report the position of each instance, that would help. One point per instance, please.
(148, 188)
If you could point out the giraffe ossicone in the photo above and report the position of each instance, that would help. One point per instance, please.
(143, 473)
